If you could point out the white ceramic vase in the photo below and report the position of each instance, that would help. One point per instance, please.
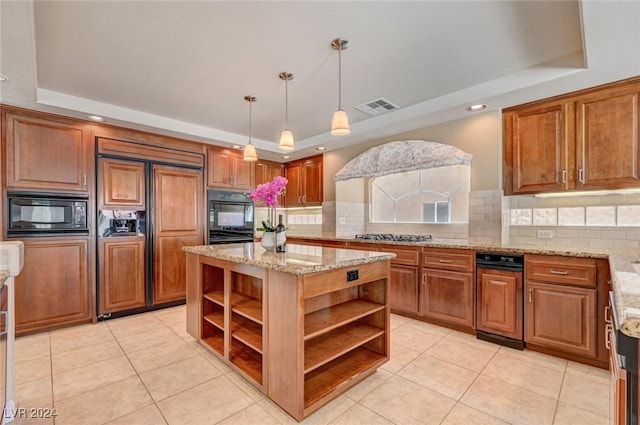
(268, 241)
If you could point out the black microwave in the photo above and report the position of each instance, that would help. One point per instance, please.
(46, 214)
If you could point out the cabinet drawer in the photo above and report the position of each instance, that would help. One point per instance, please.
(406, 256)
(335, 280)
(458, 260)
(564, 270)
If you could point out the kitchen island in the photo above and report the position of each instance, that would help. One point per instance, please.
(303, 326)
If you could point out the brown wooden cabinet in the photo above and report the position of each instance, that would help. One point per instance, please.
(617, 383)
(305, 186)
(54, 287)
(178, 204)
(122, 274)
(227, 169)
(266, 171)
(404, 288)
(45, 152)
(561, 304)
(121, 184)
(579, 141)
(447, 290)
(499, 295)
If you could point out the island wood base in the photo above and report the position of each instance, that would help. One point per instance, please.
(301, 339)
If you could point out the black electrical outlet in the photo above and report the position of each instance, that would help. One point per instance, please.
(352, 275)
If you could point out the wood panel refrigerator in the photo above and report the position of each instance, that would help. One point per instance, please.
(146, 271)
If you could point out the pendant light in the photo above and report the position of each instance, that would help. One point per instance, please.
(340, 121)
(250, 150)
(286, 138)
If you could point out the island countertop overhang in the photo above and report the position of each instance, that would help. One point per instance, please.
(298, 260)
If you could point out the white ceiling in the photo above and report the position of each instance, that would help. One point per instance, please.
(183, 68)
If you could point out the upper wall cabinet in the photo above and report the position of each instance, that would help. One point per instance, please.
(121, 184)
(47, 153)
(266, 171)
(305, 182)
(226, 168)
(580, 141)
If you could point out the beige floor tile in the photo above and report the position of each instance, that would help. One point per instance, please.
(570, 415)
(131, 325)
(177, 377)
(69, 360)
(172, 316)
(103, 404)
(323, 416)
(160, 355)
(465, 415)
(404, 402)
(509, 403)
(399, 358)
(415, 336)
(33, 369)
(586, 394)
(525, 374)
(550, 362)
(437, 375)
(596, 374)
(26, 416)
(149, 415)
(360, 415)
(397, 320)
(32, 346)
(34, 394)
(180, 330)
(205, 404)
(464, 350)
(246, 387)
(253, 414)
(79, 337)
(147, 339)
(89, 377)
(358, 392)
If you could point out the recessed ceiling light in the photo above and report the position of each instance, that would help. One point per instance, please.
(95, 118)
(286, 157)
(3, 77)
(236, 147)
(477, 107)
(321, 148)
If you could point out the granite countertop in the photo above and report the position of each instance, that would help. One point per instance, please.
(624, 267)
(298, 260)
(4, 275)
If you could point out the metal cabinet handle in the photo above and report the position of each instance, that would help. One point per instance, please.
(581, 175)
(84, 179)
(5, 319)
(424, 279)
(607, 314)
(299, 199)
(304, 199)
(564, 176)
(531, 295)
(560, 272)
(442, 260)
(607, 336)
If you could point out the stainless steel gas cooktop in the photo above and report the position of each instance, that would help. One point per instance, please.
(392, 237)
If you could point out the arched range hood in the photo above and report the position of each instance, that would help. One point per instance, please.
(399, 156)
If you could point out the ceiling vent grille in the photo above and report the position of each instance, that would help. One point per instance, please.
(377, 107)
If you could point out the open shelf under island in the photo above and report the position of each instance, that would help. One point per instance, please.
(303, 326)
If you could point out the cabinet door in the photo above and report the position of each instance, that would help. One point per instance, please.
(448, 296)
(617, 386)
(53, 287)
(403, 288)
(312, 181)
(292, 191)
(537, 145)
(219, 168)
(561, 317)
(47, 154)
(120, 184)
(122, 272)
(178, 203)
(608, 139)
(265, 172)
(242, 176)
(500, 302)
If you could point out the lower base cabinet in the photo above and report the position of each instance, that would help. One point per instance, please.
(53, 289)
(618, 385)
(404, 290)
(448, 296)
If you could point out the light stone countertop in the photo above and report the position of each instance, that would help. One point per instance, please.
(624, 266)
(298, 260)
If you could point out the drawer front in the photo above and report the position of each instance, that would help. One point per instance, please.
(462, 261)
(563, 270)
(405, 256)
(334, 280)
